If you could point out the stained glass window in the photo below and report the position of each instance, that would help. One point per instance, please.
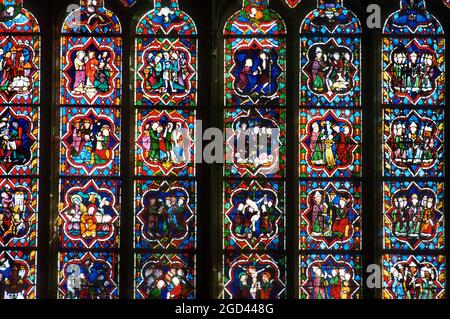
(255, 125)
(330, 130)
(84, 215)
(20, 54)
(165, 233)
(413, 116)
(90, 131)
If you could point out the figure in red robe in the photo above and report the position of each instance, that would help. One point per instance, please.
(91, 67)
(267, 286)
(177, 289)
(335, 282)
(344, 145)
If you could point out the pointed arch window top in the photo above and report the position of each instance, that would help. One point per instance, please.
(293, 3)
(128, 3)
(14, 18)
(255, 18)
(331, 17)
(92, 17)
(166, 19)
(412, 18)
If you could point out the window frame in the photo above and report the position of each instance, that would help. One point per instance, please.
(210, 21)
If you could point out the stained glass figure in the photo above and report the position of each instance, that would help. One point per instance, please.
(89, 213)
(254, 276)
(413, 277)
(329, 277)
(17, 275)
(413, 143)
(254, 215)
(331, 143)
(330, 71)
(88, 276)
(18, 212)
(90, 143)
(165, 276)
(19, 136)
(255, 71)
(292, 3)
(256, 140)
(330, 215)
(166, 71)
(413, 71)
(20, 80)
(91, 70)
(255, 62)
(413, 215)
(165, 215)
(412, 18)
(447, 3)
(165, 143)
